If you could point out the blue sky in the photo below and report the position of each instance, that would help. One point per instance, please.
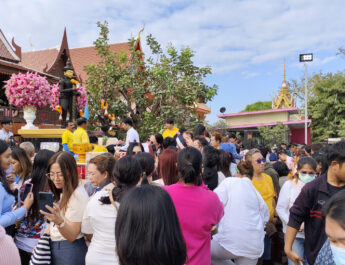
(244, 41)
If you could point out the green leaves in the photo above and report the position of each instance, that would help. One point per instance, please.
(259, 105)
(274, 135)
(326, 108)
(165, 85)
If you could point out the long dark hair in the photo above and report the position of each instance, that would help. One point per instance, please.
(210, 160)
(127, 174)
(39, 178)
(189, 163)
(147, 164)
(225, 159)
(3, 147)
(20, 155)
(200, 130)
(70, 174)
(147, 229)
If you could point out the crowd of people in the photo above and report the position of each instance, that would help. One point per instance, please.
(180, 197)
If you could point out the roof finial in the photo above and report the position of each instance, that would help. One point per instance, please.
(284, 71)
(138, 38)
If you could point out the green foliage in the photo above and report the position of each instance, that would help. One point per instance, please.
(218, 126)
(259, 105)
(327, 107)
(165, 85)
(274, 134)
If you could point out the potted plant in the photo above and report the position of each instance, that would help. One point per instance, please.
(28, 91)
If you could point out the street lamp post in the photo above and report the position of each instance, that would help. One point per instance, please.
(306, 58)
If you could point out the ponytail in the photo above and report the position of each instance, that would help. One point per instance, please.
(127, 175)
(189, 162)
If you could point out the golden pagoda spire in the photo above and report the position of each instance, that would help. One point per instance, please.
(284, 99)
(284, 72)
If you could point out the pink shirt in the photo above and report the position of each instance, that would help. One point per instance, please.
(198, 210)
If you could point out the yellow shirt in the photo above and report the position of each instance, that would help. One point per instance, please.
(170, 133)
(266, 189)
(67, 138)
(80, 136)
(98, 148)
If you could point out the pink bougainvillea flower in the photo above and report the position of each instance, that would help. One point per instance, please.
(23, 90)
(81, 100)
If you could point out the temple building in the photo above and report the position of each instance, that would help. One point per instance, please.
(10, 63)
(284, 111)
(48, 63)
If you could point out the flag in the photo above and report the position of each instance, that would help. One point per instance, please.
(86, 111)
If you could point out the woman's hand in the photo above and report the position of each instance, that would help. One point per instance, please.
(54, 215)
(11, 178)
(29, 200)
(294, 257)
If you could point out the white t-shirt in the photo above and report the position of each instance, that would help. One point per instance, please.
(241, 230)
(74, 212)
(221, 177)
(131, 137)
(5, 135)
(287, 196)
(289, 162)
(99, 220)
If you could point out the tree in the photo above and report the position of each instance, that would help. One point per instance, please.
(327, 107)
(166, 85)
(219, 126)
(274, 135)
(259, 105)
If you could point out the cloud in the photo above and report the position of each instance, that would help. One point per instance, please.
(226, 34)
(249, 75)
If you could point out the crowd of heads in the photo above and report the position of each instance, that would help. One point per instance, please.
(147, 221)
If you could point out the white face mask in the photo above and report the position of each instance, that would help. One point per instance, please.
(338, 255)
(305, 178)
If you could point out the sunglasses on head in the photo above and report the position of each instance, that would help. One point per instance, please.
(261, 160)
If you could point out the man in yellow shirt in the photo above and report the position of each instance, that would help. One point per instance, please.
(96, 147)
(67, 137)
(170, 129)
(80, 135)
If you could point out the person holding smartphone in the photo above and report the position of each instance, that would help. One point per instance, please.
(8, 216)
(32, 226)
(22, 166)
(67, 245)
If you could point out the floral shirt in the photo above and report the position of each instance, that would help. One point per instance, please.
(31, 228)
(325, 256)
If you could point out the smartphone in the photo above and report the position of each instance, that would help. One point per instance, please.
(27, 190)
(45, 198)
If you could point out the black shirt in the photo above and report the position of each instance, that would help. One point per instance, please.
(307, 208)
(333, 189)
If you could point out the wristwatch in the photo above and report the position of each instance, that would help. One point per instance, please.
(62, 224)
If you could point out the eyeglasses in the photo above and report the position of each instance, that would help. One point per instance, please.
(261, 160)
(54, 175)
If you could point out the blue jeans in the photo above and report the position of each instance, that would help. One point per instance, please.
(67, 253)
(298, 248)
